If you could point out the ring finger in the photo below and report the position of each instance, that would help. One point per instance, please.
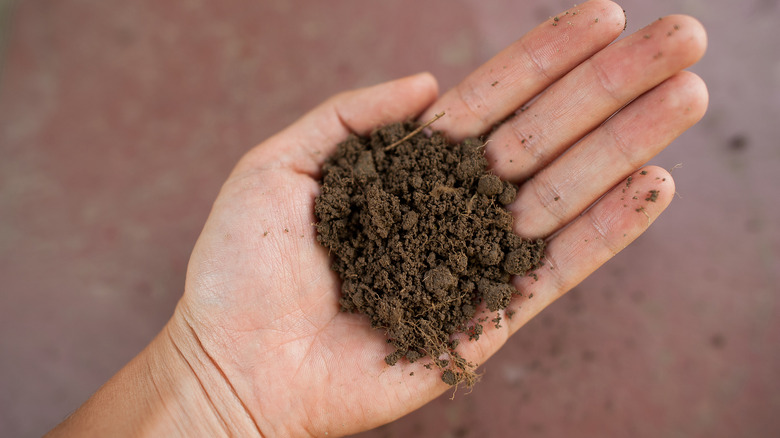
(566, 187)
(591, 93)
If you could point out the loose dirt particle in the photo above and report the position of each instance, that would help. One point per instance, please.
(449, 377)
(508, 194)
(490, 185)
(420, 239)
(653, 196)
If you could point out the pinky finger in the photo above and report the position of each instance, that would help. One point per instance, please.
(589, 241)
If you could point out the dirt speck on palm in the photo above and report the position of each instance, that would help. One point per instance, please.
(420, 238)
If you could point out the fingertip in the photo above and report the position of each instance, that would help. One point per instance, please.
(605, 17)
(643, 196)
(634, 204)
(657, 185)
(685, 94)
(690, 30)
(423, 86)
(610, 12)
(698, 95)
(365, 109)
(426, 82)
(305, 144)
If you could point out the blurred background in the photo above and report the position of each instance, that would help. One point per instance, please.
(120, 120)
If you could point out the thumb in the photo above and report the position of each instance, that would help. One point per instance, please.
(306, 144)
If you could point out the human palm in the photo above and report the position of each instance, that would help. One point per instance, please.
(261, 303)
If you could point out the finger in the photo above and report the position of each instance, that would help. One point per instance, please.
(592, 92)
(525, 68)
(562, 190)
(603, 231)
(305, 144)
(577, 251)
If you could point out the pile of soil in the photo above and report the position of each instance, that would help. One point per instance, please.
(421, 238)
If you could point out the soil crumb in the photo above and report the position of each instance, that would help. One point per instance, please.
(652, 196)
(420, 238)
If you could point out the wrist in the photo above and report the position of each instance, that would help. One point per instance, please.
(172, 388)
(197, 385)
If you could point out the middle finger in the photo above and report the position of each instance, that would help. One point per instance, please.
(591, 93)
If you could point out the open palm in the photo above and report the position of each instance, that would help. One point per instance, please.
(260, 315)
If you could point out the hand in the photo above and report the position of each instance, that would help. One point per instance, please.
(259, 325)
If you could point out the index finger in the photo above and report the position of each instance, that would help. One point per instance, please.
(521, 71)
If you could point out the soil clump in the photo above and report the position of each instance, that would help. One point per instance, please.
(420, 238)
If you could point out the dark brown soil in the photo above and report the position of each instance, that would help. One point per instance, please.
(421, 239)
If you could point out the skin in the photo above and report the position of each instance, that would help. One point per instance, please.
(257, 345)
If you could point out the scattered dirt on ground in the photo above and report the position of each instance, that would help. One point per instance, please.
(421, 239)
